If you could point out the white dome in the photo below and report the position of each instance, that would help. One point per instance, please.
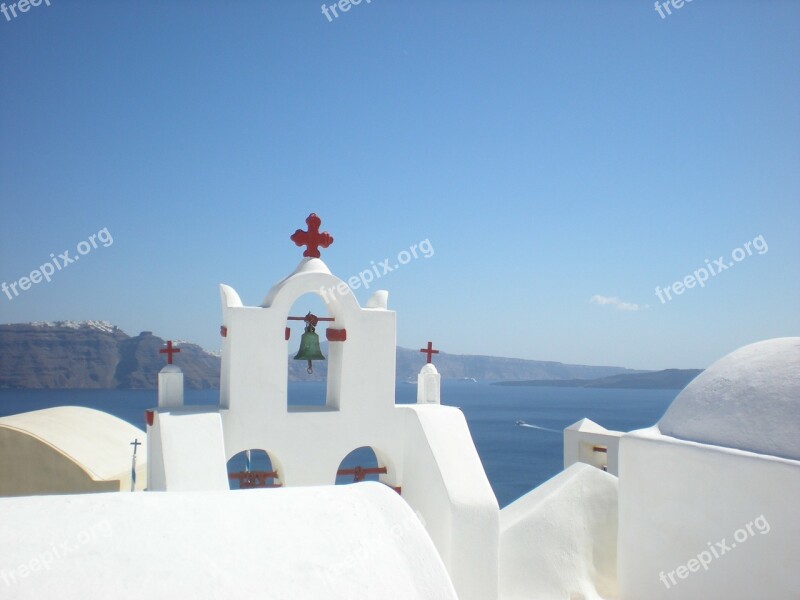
(749, 400)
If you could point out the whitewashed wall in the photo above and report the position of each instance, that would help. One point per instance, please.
(678, 499)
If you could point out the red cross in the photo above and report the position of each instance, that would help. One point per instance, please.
(429, 351)
(312, 238)
(169, 351)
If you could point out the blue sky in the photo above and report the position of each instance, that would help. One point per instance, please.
(551, 153)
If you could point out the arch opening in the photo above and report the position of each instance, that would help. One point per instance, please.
(308, 391)
(361, 464)
(253, 468)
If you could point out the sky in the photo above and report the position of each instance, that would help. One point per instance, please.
(563, 164)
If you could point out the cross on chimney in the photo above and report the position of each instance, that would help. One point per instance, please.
(169, 351)
(429, 351)
(312, 238)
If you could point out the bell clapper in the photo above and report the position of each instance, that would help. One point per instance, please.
(310, 369)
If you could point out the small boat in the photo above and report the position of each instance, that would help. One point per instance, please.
(520, 422)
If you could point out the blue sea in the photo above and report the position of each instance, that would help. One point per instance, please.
(516, 459)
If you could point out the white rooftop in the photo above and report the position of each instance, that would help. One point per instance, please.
(748, 400)
(363, 542)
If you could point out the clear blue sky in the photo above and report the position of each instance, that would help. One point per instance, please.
(551, 152)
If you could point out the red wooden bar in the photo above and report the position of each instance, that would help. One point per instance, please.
(255, 479)
(360, 472)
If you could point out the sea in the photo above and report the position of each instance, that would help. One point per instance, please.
(517, 458)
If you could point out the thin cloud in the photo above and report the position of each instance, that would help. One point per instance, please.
(615, 302)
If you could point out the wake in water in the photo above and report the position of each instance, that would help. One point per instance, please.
(524, 424)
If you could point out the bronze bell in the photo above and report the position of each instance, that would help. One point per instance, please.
(309, 344)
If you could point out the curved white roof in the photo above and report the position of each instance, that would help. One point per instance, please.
(749, 400)
(97, 441)
(347, 542)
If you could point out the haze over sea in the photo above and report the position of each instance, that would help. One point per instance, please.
(516, 459)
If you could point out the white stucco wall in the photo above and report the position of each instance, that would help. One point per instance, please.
(559, 541)
(187, 451)
(444, 480)
(678, 499)
(255, 354)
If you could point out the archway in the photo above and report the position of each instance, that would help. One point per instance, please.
(360, 465)
(252, 469)
(307, 389)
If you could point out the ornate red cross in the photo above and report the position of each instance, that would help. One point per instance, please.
(429, 351)
(169, 351)
(312, 238)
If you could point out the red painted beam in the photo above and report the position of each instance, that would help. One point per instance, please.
(247, 474)
(304, 318)
(336, 335)
(367, 471)
(255, 479)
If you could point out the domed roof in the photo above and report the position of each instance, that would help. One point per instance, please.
(749, 400)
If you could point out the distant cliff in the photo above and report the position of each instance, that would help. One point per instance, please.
(495, 368)
(668, 379)
(96, 354)
(93, 354)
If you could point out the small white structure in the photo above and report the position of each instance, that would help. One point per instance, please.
(185, 453)
(588, 442)
(170, 387)
(429, 385)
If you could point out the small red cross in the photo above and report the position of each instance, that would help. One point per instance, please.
(312, 238)
(429, 351)
(169, 351)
